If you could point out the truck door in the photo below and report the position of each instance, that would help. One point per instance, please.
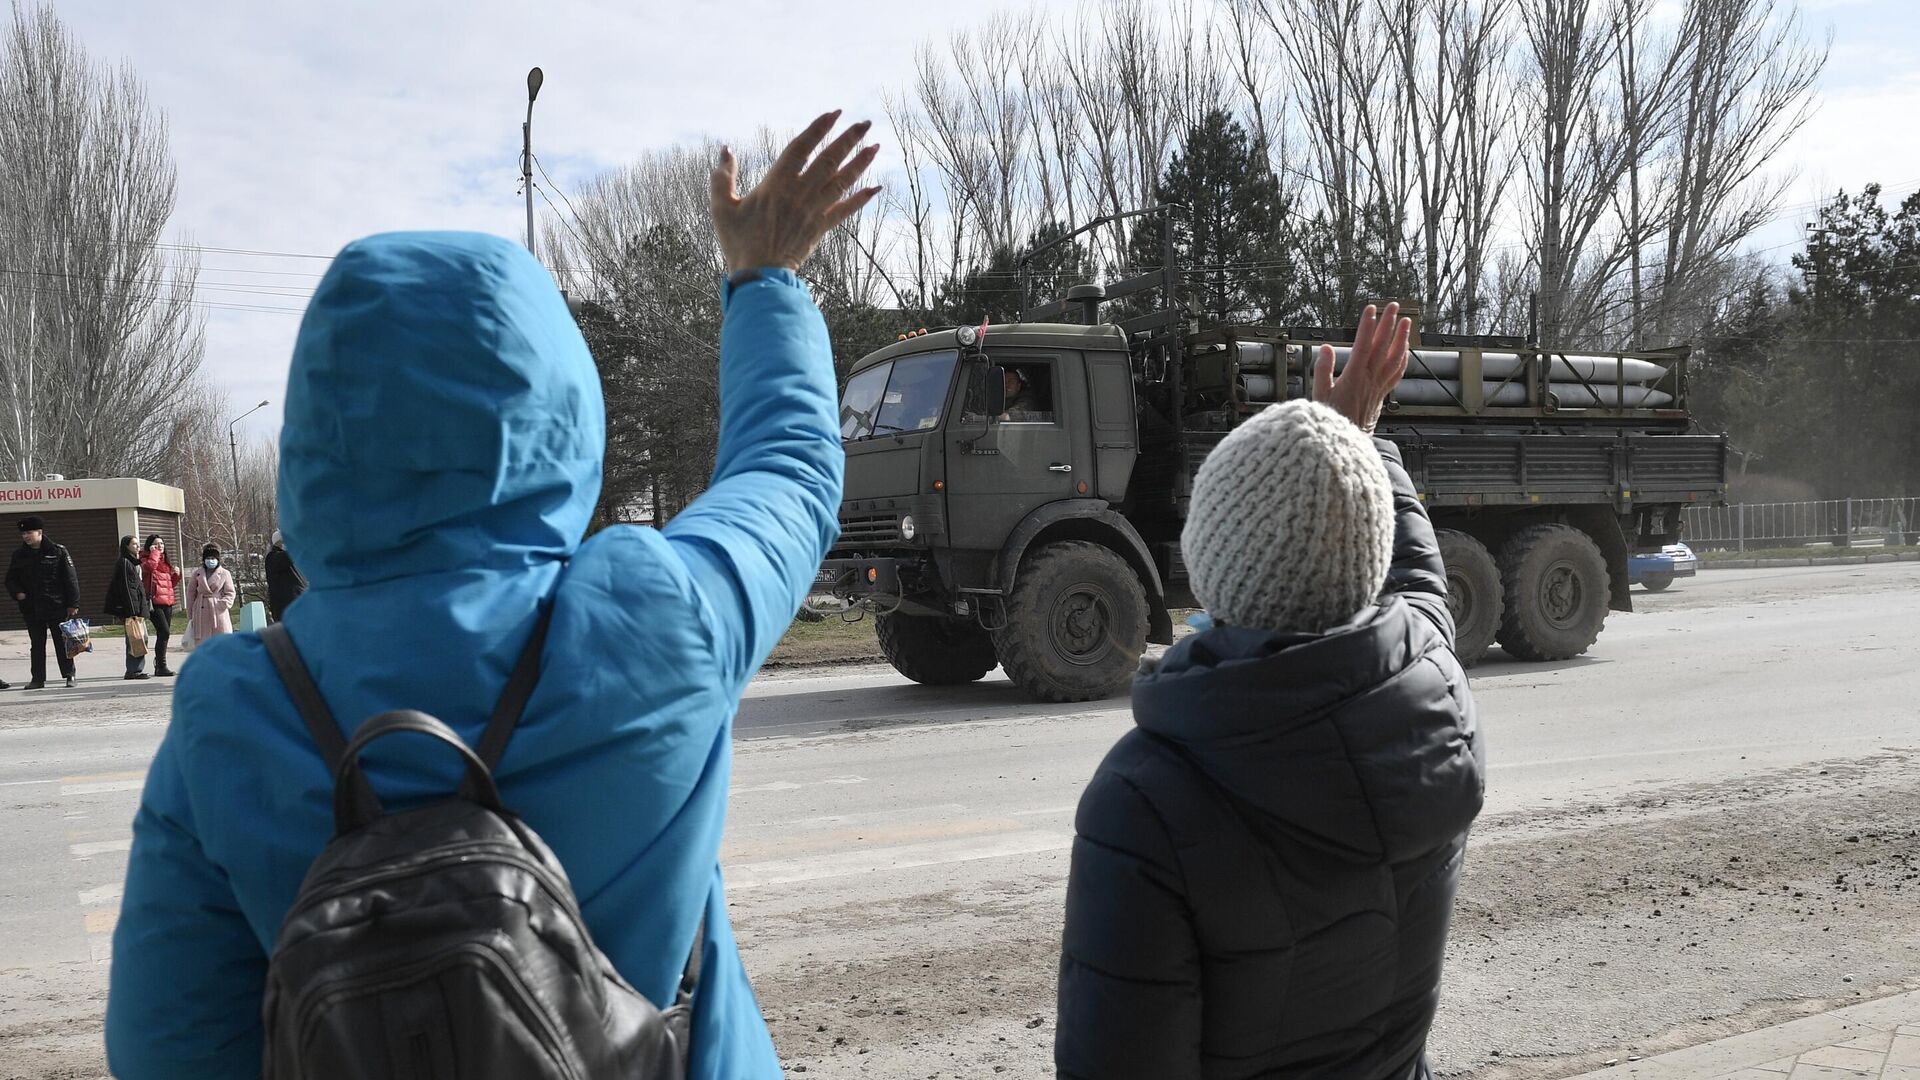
(1035, 456)
(1115, 440)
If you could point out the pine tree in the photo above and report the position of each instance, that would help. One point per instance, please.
(1230, 239)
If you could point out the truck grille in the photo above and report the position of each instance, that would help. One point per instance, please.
(868, 528)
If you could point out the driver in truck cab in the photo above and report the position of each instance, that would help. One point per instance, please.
(1024, 400)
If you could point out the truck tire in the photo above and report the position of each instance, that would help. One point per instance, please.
(1557, 591)
(1076, 623)
(1474, 594)
(935, 651)
(1657, 582)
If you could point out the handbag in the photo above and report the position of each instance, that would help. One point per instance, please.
(78, 637)
(136, 637)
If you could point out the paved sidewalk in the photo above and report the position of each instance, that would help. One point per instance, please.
(1878, 1039)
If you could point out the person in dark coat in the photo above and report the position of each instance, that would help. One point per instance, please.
(284, 580)
(44, 583)
(127, 599)
(1264, 868)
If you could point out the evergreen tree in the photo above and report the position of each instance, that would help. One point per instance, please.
(1823, 384)
(994, 290)
(1231, 239)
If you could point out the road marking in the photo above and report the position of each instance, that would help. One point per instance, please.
(755, 875)
(100, 847)
(23, 783)
(1044, 811)
(101, 787)
(131, 774)
(102, 894)
(101, 922)
(789, 785)
(867, 837)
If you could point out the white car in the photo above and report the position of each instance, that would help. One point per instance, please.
(1657, 569)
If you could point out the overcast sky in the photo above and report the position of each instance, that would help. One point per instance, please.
(298, 127)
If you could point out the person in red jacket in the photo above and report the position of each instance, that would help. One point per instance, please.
(163, 583)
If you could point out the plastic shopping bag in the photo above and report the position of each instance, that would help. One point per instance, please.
(77, 635)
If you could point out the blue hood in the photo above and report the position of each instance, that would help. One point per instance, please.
(502, 472)
(440, 462)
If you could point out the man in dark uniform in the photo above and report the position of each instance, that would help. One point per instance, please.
(284, 580)
(1023, 401)
(43, 581)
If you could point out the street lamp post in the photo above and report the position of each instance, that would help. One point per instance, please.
(233, 503)
(534, 78)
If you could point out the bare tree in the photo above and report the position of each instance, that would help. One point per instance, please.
(1747, 88)
(100, 342)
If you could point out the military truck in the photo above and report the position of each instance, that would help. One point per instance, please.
(1015, 492)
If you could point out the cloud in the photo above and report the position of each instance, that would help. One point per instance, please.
(298, 127)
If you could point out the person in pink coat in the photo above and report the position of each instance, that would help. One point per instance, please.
(210, 594)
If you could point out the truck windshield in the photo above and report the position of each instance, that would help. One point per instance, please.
(898, 396)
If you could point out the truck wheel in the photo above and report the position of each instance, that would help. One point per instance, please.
(935, 651)
(1557, 590)
(1076, 623)
(1473, 594)
(1657, 582)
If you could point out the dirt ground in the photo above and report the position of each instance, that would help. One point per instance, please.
(1596, 932)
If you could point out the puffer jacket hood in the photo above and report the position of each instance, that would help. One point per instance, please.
(501, 473)
(1348, 738)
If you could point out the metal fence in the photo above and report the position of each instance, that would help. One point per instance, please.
(1841, 522)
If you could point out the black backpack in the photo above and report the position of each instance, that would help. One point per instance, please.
(445, 943)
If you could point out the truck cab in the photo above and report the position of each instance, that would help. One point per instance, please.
(970, 450)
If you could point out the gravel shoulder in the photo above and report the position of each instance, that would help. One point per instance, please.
(1581, 935)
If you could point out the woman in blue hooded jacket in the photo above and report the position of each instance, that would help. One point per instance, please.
(440, 459)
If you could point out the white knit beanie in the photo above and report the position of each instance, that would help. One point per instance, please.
(1291, 522)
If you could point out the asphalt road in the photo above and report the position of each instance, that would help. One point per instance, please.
(1704, 826)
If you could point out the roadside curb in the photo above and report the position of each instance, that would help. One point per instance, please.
(1769, 1046)
(1824, 560)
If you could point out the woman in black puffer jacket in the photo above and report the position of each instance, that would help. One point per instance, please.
(1265, 867)
(127, 599)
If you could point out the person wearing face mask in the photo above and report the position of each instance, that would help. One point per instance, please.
(210, 594)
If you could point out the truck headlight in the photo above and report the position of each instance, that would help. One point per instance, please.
(906, 527)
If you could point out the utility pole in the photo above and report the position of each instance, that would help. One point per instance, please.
(233, 502)
(534, 78)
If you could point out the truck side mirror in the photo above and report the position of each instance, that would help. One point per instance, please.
(986, 399)
(986, 392)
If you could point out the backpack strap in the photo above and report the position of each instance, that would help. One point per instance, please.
(513, 701)
(313, 709)
(690, 975)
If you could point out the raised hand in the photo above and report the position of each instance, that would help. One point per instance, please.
(1378, 361)
(781, 221)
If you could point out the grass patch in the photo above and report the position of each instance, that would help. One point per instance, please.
(1804, 552)
(830, 641)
